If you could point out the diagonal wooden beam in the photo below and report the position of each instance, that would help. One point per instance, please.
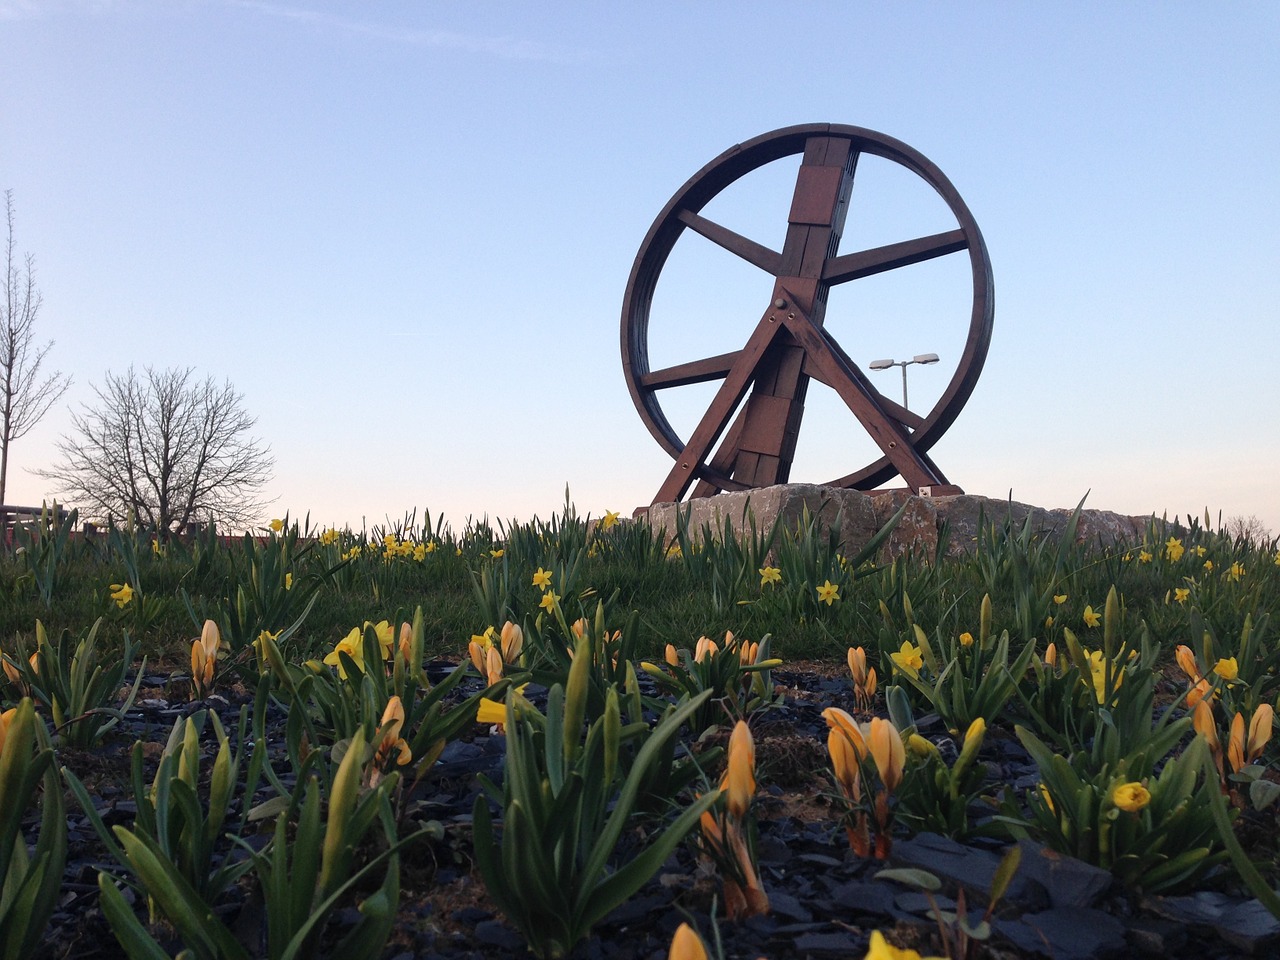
(726, 400)
(756, 254)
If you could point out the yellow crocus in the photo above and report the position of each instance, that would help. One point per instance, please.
(1130, 797)
(966, 639)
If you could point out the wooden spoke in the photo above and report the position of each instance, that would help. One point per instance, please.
(696, 371)
(758, 255)
(868, 262)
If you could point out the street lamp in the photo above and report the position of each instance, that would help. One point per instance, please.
(924, 358)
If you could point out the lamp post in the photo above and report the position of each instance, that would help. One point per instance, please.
(923, 358)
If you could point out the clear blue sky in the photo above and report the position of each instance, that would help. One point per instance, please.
(403, 231)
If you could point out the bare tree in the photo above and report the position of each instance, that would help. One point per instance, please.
(25, 393)
(1248, 528)
(168, 449)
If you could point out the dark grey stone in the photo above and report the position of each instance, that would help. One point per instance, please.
(862, 897)
(1250, 927)
(1068, 882)
(788, 907)
(1066, 933)
(1157, 937)
(838, 944)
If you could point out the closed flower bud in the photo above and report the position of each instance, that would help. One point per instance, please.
(742, 765)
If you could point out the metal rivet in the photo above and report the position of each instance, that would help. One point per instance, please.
(773, 319)
(892, 444)
(791, 316)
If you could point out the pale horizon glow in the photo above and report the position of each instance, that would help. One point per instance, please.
(403, 232)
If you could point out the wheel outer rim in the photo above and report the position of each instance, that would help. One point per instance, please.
(735, 163)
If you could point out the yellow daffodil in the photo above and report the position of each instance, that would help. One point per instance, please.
(770, 575)
(966, 639)
(1144, 556)
(1180, 594)
(828, 593)
(1278, 558)
(353, 646)
(1173, 550)
(277, 525)
(1127, 557)
(1091, 619)
(1201, 551)
(741, 780)
(1130, 797)
(1236, 572)
(1227, 668)
(549, 600)
(686, 945)
(491, 712)
(1059, 598)
(1208, 566)
(496, 554)
(420, 552)
(881, 949)
(909, 659)
(121, 593)
(608, 520)
(1098, 670)
(1048, 622)
(542, 579)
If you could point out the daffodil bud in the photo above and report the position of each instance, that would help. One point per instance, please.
(612, 734)
(984, 621)
(972, 743)
(575, 698)
(922, 749)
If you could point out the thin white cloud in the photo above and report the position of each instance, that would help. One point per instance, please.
(504, 48)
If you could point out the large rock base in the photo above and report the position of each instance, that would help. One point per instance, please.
(863, 513)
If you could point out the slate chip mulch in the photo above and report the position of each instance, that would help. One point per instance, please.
(824, 900)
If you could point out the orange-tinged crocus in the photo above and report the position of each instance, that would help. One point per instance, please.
(686, 945)
(512, 642)
(741, 786)
(1051, 655)
(1187, 661)
(671, 655)
(888, 752)
(844, 764)
(1260, 731)
(840, 720)
(704, 649)
(1204, 724)
(391, 742)
(1235, 743)
(204, 658)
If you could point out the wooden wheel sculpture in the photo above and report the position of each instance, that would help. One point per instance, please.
(789, 345)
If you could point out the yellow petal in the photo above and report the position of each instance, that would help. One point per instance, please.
(686, 945)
